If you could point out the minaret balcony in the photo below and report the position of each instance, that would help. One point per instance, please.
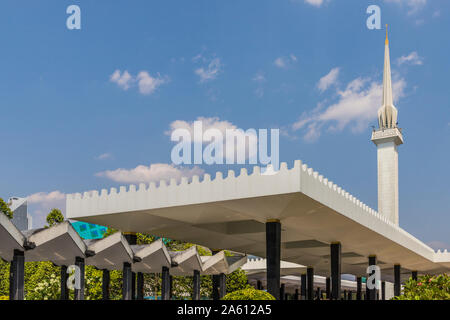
(387, 135)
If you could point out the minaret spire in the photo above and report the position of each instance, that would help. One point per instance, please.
(387, 114)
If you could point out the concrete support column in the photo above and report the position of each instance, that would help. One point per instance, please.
(259, 285)
(414, 275)
(127, 279)
(383, 290)
(196, 286)
(335, 271)
(223, 285)
(303, 287)
(140, 286)
(165, 285)
(131, 238)
(358, 288)
(105, 284)
(296, 294)
(79, 293)
(372, 293)
(310, 283)
(328, 288)
(17, 276)
(282, 291)
(397, 287)
(273, 253)
(63, 285)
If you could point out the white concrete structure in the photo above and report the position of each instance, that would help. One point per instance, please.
(10, 238)
(221, 263)
(387, 138)
(314, 212)
(21, 219)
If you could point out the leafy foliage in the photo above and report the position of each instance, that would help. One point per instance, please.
(5, 209)
(248, 294)
(427, 288)
(54, 217)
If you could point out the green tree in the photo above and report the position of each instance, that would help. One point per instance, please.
(54, 217)
(248, 294)
(427, 288)
(5, 209)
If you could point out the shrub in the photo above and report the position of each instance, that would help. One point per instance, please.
(248, 294)
(427, 288)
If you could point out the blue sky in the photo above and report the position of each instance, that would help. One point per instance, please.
(77, 105)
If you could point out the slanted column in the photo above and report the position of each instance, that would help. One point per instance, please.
(140, 286)
(328, 288)
(171, 287)
(131, 238)
(358, 288)
(282, 292)
(127, 279)
(17, 276)
(222, 285)
(196, 285)
(63, 284)
(303, 286)
(105, 284)
(310, 283)
(414, 275)
(397, 287)
(335, 271)
(165, 285)
(383, 290)
(79, 293)
(273, 253)
(372, 293)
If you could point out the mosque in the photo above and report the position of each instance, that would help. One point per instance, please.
(296, 220)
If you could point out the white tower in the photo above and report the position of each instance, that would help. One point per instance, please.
(387, 138)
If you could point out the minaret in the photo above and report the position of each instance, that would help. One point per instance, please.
(387, 138)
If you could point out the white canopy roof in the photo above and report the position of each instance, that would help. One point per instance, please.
(230, 213)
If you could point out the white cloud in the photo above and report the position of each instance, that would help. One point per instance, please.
(316, 3)
(413, 58)
(259, 77)
(104, 156)
(209, 72)
(153, 173)
(145, 82)
(326, 81)
(356, 107)
(284, 62)
(222, 125)
(413, 5)
(123, 80)
(148, 84)
(40, 204)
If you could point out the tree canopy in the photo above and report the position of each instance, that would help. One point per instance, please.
(54, 217)
(5, 209)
